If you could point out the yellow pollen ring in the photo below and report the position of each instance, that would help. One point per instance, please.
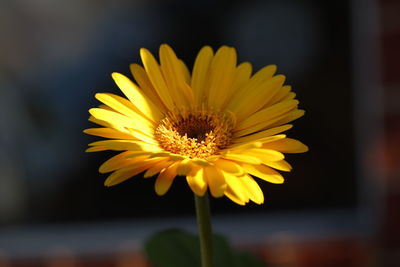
(194, 134)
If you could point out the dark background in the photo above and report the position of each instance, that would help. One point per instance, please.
(55, 55)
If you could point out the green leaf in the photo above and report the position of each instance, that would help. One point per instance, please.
(176, 248)
(173, 248)
(244, 259)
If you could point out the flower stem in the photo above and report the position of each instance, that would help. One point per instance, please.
(205, 232)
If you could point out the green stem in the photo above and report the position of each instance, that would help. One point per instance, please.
(205, 232)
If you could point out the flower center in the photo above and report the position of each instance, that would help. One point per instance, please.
(195, 134)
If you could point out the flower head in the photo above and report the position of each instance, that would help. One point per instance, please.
(219, 126)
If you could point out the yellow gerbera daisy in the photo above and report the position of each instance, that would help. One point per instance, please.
(218, 126)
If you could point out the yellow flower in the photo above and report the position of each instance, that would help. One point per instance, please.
(219, 126)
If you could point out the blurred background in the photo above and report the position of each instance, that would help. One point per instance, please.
(339, 207)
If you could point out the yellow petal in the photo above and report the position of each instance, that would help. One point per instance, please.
(108, 124)
(156, 168)
(120, 120)
(281, 165)
(96, 149)
(240, 78)
(147, 138)
(257, 97)
(200, 74)
(253, 190)
(111, 117)
(99, 122)
(188, 94)
(202, 162)
(289, 96)
(242, 158)
(229, 167)
(212, 159)
(157, 80)
(242, 75)
(184, 167)
(262, 134)
(273, 122)
(185, 71)
(171, 156)
(236, 186)
(235, 148)
(173, 75)
(287, 145)
(261, 76)
(291, 116)
(255, 144)
(133, 169)
(123, 106)
(137, 98)
(108, 133)
(264, 155)
(197, 181)
(140, 75)
(120, 161)
(232, 196)
(121, 145)
(267, 114)
(222, 70)
(264, 172)
(215, 180)
(165, 179)
(122, 175)
(279, 96)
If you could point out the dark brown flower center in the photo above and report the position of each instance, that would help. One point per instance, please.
(195, 134)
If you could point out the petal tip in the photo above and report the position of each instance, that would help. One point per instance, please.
(116, 75)
(305, 149)
(144, 53)
(160, 191)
